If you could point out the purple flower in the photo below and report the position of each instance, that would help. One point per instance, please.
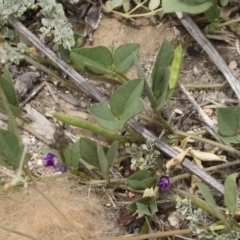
(164, 182)
(63, 168)
(52, 160)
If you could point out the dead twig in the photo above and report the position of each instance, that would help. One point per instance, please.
(204, 116)
(34, 92)
(51, 92)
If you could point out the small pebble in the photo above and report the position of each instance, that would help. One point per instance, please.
(26, 140)
(39, 162)
(178, 111)
(233, 65)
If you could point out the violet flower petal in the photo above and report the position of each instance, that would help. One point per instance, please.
(164, 182)
(49, 159)
(63, 168)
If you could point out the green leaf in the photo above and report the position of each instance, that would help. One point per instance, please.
(7, 76)
(123, 58)
(153, 205)
(123, 96)
(147, 89)
(175, 69)
(68, 156)
(112, 152)
(153, 4)
(207, 195)
(124, 103)
(228, 120)
(164, 59)
(230, 193)
(44, 60)
(224, 3)
(212, 14)
(104, 117)
(232, 139)
(210, 200)
(126, 5)
(88, 151)
(140, 72)
(90, 59)
(72, 155)
(114, 4)
(9, 91)
(133, 206)
(64, 53)
(108, 6)
(141, 180)
(144, 229)
(133, 108)
(15, 110)
(164, 89)
(10, 148)
(187, 6)
(103, 164)
(143, 209)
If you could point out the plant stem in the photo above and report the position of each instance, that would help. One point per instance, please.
(64, 82)
(229, 22)
(11, 118)
(121, 77)
(133, 134)
(127, 15)
(217, 85)
(161, 234)
(112, 181)
(217, 144)
(165, 124)
(138, 6)
(89, 126)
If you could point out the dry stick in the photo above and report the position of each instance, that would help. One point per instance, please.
(156, 234)
(211, 127)
(51, 92)
(90, 90)
(64, 82)
(32, 94)
(78, 79)
(193, 29)
(204, 116)
(164, 234)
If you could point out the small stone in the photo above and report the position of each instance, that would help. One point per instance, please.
(174, 219)
(208, 111)
(26, 140)
(178, 111)
(39, 162)
(55, 47)
(233, 65)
